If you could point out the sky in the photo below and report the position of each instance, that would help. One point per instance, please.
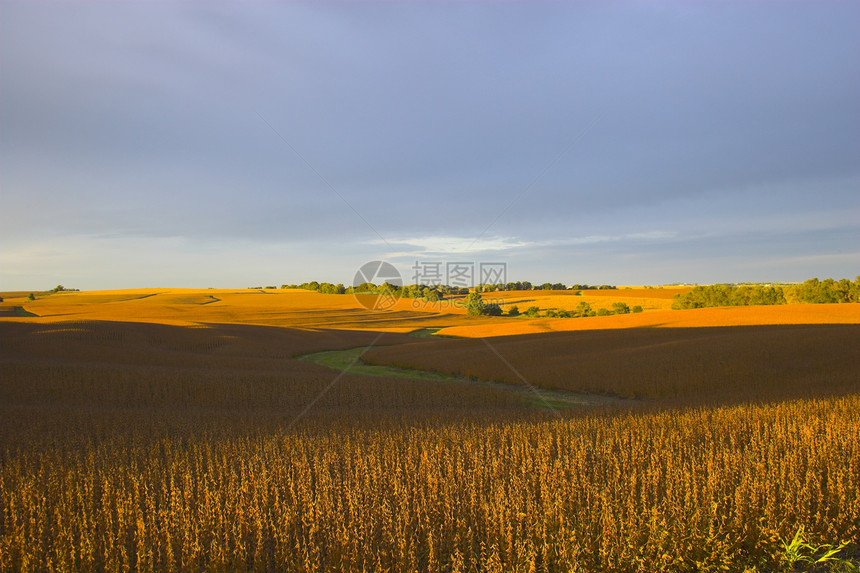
(204, 144)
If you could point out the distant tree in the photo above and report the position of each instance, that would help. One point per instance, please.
(843, 290)
(620, 308)
(637, 309)
(603, 312)
(552, 313)
(854, 291)
(492, 309)
(474, 304)
(564, 314)
(584, 309)
(365, 288)
(730, 295)
(533, 311)
(329, 288)
(827, 291)
(58, 288)
(271, 287)
(31, 296)
(514, 311)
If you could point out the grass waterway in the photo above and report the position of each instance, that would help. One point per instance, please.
(349, 361)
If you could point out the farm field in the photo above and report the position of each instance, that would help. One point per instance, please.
(306, 309)
(682, 365)
(163, 429)
(648, 299)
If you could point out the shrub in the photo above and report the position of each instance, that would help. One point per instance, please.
(492, 309)
(514, 311)
(636, 309)
(584, 309)
(620, 308)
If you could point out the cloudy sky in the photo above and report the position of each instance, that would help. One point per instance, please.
(197, 144)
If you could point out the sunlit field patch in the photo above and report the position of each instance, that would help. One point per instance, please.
(306, 309)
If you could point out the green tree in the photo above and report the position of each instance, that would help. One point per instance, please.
(474, 304)
(514, 311)
(492, 309)
(533, 311)
(620, 308)
(584, 309)
(31, 297)
(854, 291)
(636, 309)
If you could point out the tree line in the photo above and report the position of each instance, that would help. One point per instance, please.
(813, 291)
(329, 288)
(476, 306)
(428, 293)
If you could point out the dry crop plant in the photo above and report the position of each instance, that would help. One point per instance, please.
(703, 490)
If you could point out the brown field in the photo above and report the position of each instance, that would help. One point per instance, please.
(687, 365)
(163, 429)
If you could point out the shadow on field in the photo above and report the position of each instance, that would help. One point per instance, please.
(686, 366)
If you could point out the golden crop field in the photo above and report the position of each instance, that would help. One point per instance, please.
(786, 314)
(305, 309)
(292, 308)
(648, 299)
(165, 430)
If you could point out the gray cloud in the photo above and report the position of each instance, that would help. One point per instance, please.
(720, 123)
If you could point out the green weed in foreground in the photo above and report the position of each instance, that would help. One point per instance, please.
(800, 553)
